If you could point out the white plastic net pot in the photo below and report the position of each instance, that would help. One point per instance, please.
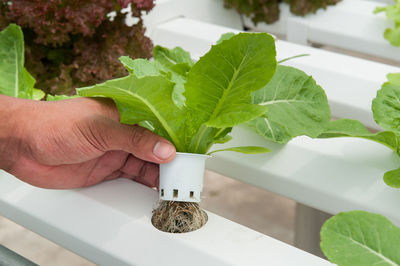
(182, 178)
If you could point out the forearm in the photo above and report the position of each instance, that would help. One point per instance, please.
(11, 119)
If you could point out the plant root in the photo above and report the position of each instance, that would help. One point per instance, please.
(178, 217)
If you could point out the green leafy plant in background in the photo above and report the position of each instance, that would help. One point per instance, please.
(392, 13)
(15, 79)
(386, 111)
(268, 10)
(360, 238)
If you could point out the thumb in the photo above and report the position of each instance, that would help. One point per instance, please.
(139, 141)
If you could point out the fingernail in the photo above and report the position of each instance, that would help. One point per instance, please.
(163, 150)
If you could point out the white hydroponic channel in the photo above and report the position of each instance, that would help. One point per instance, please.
(349, 24)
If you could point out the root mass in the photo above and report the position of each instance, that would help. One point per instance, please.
(178, 217)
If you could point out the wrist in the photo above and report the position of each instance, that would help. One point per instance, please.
(11, 121)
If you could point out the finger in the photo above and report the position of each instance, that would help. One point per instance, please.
(149, 175)
(143, 172)
(113, 175)
(55, 177)
(136, 140)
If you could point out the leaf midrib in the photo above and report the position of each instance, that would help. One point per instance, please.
(285, 101)
(228, 89)
(270, 128)
(221, 101)
(371, 250)
(169, 59)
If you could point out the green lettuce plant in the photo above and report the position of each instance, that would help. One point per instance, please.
(392, 13)
(194, 105)
(296, 105)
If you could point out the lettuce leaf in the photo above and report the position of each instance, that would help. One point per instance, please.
(225, 36)
(171, 57)
(392, 13)
(139, 67)
(386, 105)
(15, 80)
(245, 150)
(219, 85)
(360, 238)
(392, 178)
(296, 106)
(172, 64)
(354, 128)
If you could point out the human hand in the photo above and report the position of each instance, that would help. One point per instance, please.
(78, 143)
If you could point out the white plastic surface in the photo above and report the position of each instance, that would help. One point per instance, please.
(182, 178)
(211, 11)
(109, 224)
(350, 83)
(388, 2)
(350, 24)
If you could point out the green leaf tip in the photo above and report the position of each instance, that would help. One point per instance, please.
(392, 178)
(292, 57)
(393, 78)
(170, 57)
(225, 36)
(386, 105)
(15, 80)
(354, 128)
(392, 13)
